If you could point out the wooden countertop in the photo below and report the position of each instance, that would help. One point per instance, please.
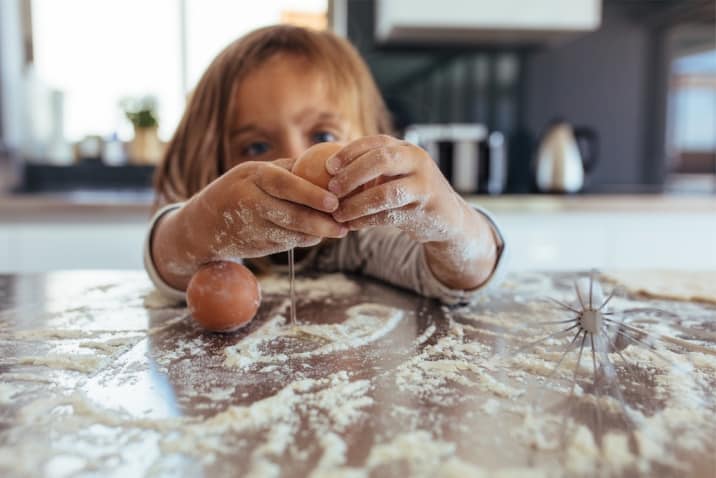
(99, 377)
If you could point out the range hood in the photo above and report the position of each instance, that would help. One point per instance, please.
(412, 22)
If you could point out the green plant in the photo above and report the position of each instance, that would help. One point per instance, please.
(141, 111)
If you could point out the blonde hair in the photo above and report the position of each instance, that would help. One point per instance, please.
(198, 152)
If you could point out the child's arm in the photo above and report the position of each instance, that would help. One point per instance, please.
(458, 242)
(389, 254)
(255, 209)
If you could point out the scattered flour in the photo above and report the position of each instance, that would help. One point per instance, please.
(86, 363)
(365, 324)
(425, 336)
(334, 451)
(700, 360)
(582, 453)
(490, 407)
(534, 430)
(451, 359)
(155, 300)
(7, 392)
(313, 289)
(616, 451)
(26, 377)
(50, 334)
(422, 452)
(323, 411)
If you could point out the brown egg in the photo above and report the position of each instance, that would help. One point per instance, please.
(311, 165)
(223, 296)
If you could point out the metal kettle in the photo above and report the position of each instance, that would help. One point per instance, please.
(564, 157)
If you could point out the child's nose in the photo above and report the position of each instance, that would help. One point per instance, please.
(294, 148)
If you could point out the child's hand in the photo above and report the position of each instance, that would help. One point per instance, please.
(381, 180)
(261, 208)
(410, 192)
(255, 209)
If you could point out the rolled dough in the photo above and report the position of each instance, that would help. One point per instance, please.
(668, 284)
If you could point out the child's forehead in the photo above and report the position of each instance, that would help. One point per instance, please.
(286, 83)
(288, 74)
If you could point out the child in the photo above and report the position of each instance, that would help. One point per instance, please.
(228, 192)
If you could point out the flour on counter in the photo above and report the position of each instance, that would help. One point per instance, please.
(365, 324)
(327, 286)
(452, 379)
(7, 392)
(419, 449)
(451, 360)
(26, 377)
(86, 363)
(155, 300)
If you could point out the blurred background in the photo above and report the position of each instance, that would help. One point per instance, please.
(598, 115)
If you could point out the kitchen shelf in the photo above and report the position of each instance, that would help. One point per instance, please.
(84, 175)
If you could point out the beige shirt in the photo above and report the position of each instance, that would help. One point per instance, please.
(385, 253)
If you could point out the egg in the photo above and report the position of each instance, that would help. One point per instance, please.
(223, 296)
(311, 165)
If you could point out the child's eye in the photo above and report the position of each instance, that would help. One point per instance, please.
(324, 137)
(255, 149)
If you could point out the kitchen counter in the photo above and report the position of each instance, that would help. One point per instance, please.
(100, 377)
(602, 203)
(54, 206)
(545, 232)
(140, 201)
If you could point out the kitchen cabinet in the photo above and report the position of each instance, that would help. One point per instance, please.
(606, 232)
(37, 247)
(472, 21)
(42, 233)
(543, 233)
(610, 241)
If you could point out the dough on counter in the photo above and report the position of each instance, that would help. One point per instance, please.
(668, 284)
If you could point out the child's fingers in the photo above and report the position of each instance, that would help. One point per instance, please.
(282, 184)
(301, 219)
(392, 160)
(278, 239)
(391, 195)
(392, 217)
(285, 163)
(357, 148)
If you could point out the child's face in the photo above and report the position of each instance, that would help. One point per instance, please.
(283, 108)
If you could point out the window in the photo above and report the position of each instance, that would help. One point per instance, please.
(94, 53)
(212, 24)
(692, 134)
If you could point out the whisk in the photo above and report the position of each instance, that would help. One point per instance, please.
(593, 326)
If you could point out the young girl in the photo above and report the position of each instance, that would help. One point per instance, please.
(228, 192)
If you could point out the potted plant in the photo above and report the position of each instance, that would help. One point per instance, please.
(145, 148)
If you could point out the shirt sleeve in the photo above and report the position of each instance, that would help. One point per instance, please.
(389, 254)
(167, 291)
(385, 253)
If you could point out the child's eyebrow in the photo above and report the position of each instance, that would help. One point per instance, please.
(249, 128)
